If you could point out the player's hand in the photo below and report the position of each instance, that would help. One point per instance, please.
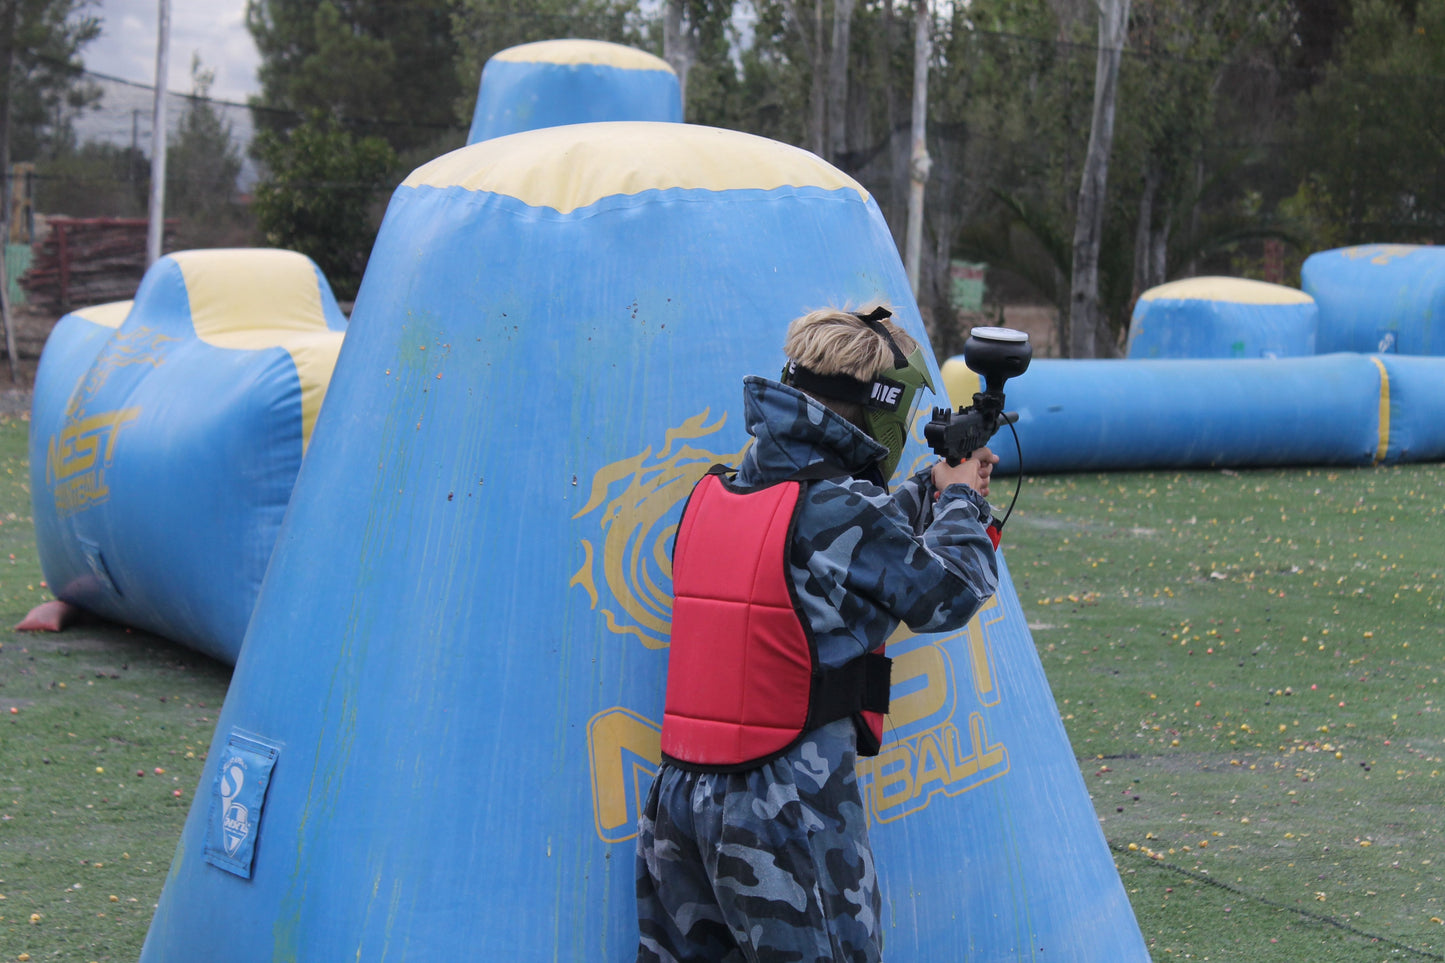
(975, 472)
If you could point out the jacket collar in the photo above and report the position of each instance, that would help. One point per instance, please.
(794, 431)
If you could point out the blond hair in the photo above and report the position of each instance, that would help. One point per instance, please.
(831, 341)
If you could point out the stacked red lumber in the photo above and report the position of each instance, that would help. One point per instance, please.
(87, 260)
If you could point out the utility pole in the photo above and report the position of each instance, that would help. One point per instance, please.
(156, 229)
(919, 162)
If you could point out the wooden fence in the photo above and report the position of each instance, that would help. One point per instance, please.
(81, 261)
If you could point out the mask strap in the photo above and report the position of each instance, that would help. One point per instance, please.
(874, 320)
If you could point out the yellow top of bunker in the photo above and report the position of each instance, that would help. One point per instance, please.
(1231, 290)
(569, 167)
(598, 52)
(250, 297)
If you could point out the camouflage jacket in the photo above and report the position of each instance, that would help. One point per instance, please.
(863, 560)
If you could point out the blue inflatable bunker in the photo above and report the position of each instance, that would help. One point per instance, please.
(1379, 298)
(1218, 317)
(546, 352)
(1339, 409)
(166, 435)
(556, 82)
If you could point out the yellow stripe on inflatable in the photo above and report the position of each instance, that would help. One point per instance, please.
(110, 315)
(1383, 448)
(1230, 290)
(960, 382)
(315, 357)
(253, 299)
(598, 52)
(565, 168)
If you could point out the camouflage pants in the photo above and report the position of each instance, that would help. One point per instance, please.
(764, 866)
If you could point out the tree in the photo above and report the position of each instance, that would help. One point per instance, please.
(202, 163)
(1018, 83)
(349, 88)
(700, 35)
(40, 73)
(94, 179)
(1200, 85)
(481, 28)
(1368, 138)
(320, 181)
(378, 68)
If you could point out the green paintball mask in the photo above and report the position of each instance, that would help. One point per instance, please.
(890, 400)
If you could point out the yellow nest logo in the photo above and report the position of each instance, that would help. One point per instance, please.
(936, 741)
(80, 453)
(935, 736)
(638, 523)
(1380, 253)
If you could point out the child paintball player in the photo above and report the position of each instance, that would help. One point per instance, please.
(788, 577)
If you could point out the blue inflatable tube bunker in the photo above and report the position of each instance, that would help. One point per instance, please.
(1379, 298)
(1103, 415)
(556, 82)
(166, 435)
(445, 716)
(1218, 317)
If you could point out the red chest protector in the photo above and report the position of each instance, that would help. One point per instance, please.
(743, 680)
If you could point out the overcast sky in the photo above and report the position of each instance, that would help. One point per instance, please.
(213, 29)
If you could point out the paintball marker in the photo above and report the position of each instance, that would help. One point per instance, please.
(996, 355)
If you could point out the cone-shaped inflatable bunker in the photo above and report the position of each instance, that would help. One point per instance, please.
(446, 714)
(556, 82)
(1215, 317)
(166, 434)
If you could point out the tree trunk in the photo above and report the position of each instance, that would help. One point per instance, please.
(1085, 321)
(944, 332)
(897, 147)
(919, 162)
(9, 12)
(1158, 253)
(1192, 267)
(818, 96)
(677, 46)
(838, 79)
(1144, 231)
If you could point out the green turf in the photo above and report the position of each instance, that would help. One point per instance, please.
(1312, 588)
(1247, 665)
(108, 725)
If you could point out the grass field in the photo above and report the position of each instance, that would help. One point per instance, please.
(1248, 667)
(102, 736)
(1247, 664)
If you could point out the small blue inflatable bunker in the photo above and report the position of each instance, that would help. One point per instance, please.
(1219, 317)
(166, 435)
(556, 82)
(445, 717)
(1379, 298)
